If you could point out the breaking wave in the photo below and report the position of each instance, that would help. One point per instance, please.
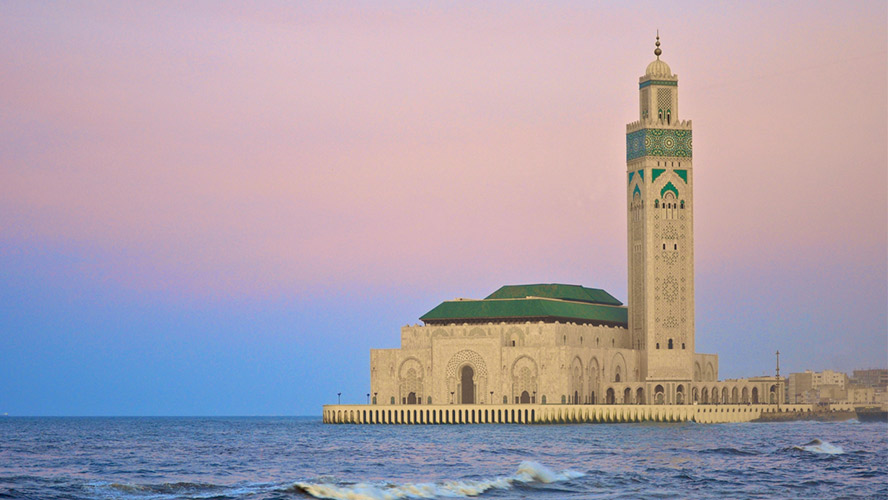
(527, 473)
(820, 447)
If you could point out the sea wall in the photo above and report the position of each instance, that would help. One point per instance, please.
(548, 414)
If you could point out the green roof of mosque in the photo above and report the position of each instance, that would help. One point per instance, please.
(547, 303)
(574, 293)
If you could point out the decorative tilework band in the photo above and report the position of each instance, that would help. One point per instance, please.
(657, 82)
(658, 142)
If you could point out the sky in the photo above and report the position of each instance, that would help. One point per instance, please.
(219, 208)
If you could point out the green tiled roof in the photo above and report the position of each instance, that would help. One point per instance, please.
(574, 293)
(547, 303)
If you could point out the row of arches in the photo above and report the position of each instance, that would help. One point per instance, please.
(736, 395)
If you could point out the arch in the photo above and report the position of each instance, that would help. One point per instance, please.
(698, 373)
(744, 395)
(679, 395)
(455, 372)
(710, 372)
(669, 187)
(755, 395)
(659, 395)
(734, 397)
(463, 357)
(411, 398)
(410, 380)
(525, 377)
(467, 384)
(627, 396)
(725, 398)
(639, 396)
(515, 336)
(695, 395)
(525, 398)
(704, 396)
(594, 378)
(609, 396)
(772, 394)
(576, 380)
(619, 367)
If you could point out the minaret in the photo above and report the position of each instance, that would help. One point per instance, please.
(661, 236)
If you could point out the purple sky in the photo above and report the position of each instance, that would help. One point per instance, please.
(219, 208)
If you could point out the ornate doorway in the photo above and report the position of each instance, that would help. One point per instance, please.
(467, 385)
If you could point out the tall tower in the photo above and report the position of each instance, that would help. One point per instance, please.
(661, 236)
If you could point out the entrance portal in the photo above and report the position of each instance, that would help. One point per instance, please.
(467, 385)
(525, 398)
(411, 398)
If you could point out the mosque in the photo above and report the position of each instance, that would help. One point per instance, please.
(561, 349)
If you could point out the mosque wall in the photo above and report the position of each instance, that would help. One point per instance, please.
(506, 364)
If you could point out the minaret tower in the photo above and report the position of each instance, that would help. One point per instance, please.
(661, 236)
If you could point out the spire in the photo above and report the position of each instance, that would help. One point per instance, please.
(657, 51)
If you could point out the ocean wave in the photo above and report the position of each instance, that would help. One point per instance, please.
(177, 490)
(819, 447)
(729, 451)
(527, 473)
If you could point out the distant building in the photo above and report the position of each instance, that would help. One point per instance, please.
(828, 386)
(875, 378)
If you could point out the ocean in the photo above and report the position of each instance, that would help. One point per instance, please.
(261, 458)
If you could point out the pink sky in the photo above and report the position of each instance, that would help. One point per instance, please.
(268, 149)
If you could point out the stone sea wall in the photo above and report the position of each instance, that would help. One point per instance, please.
(551, 414)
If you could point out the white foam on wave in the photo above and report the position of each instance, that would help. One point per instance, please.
(821, 447)
(528, 472)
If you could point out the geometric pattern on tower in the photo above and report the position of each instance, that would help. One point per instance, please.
(667, 143)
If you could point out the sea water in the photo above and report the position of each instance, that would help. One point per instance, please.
(293, 458)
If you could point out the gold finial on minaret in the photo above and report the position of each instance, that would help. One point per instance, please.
(657, 51)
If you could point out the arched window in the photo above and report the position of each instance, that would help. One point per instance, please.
(563, 399)
(670, 344)
(544, 399)
(393, 400)
(658, 345)
(513, 343)
(656, 203)
(505, 399)
(668, 116)
(681, 204)
(682, 345)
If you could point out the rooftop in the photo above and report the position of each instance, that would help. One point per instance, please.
(541, 302)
